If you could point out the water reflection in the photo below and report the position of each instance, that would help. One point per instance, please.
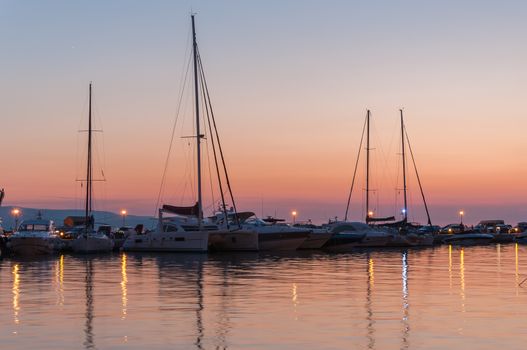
(88, 325)
(16, 293)
(223, 315)
(124, 289)
(59, 280)
(199, 308)
(516, 268)
(450, 266)
(406, 304)
(462, 277)
(372, 300)
(369, 312)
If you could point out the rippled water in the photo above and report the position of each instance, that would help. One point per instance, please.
(436, 298)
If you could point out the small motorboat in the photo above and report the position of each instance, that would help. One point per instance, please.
(348, 235)
(274, 236)
(468, 239)
(34, 237)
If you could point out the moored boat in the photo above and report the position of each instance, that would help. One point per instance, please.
(317, 238)
(468, 239)
(273, 236)
(349, 235)
(180, 233)
(34, 237)
(90, 241)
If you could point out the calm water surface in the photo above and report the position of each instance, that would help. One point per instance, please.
(440, 298)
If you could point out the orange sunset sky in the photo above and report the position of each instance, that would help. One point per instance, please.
(290, 83)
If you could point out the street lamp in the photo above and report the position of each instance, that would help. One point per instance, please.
(293, 213)
(123, 214)
(16, 214)
(461, 213)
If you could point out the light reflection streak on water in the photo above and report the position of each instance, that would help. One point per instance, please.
(124, 288)
(294, 299)
(498, 256)
(517, 269)
(89, 342)
(406, 305)
(450, 266)
(199, 309)
(369, 312)
(16, 293)
(59, 279)
(371, 273)
(462, 277)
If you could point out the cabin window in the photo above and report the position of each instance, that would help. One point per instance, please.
(179, 239)
(169, 228)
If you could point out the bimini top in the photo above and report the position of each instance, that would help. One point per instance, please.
(186, 211)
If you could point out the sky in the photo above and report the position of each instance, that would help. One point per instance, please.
(290, 83)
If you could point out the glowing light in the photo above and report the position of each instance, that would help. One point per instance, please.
(15, 212)
(370, 213)
(124, 212)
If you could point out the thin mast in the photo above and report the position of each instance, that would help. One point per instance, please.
(198, 135)
(354, 171)
(88, 171)
(418, 178)
(367, 166)
(405, 208)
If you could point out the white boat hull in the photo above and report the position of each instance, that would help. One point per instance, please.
(468, 239)
(375, 240)
(31, 246)
(411, 240)
(154, 241)
(316, 240)
(241, 240)
(281, 241)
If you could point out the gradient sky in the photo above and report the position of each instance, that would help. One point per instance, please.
(290, 83)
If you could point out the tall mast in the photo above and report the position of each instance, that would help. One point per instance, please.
(367, 165)
(405, 208)
(198, 135)
(88, 171)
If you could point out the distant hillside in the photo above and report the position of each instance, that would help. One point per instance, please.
(58, 215)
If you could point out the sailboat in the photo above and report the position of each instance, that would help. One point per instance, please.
(408, 235)
(183, 229)
(90, 241)
(348, 234)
